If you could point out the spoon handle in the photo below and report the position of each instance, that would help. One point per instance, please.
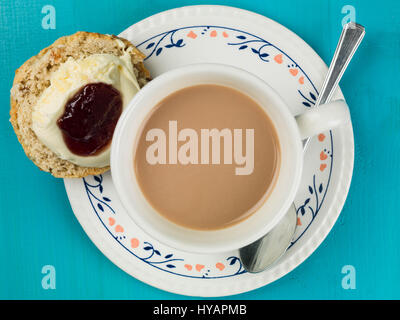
(350, 39)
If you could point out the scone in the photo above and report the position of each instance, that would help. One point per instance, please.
(52, 78)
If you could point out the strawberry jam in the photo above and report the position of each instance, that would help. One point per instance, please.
(90, 117)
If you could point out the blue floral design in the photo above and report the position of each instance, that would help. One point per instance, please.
(167, 260)
(257, 46)
(157, 45)
(100, 202)
(308, 102)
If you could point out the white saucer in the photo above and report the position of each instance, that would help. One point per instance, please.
(232, 36)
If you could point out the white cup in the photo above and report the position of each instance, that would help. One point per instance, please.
(290, 131)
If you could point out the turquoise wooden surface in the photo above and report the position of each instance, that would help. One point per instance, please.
(37, 225)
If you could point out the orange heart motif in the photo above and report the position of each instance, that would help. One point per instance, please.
(119, 228)
(111, 221)
(220, 266)
(225, 34)
(294, 72)
(278, 58)
(134, 243)
(321, 137)
(301, 80)
(298, 221)
(213, 33)
(188, 266)
(199, 267)
(192, 35)
(322, 167)
(323, 156)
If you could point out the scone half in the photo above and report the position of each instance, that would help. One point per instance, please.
(33, 77)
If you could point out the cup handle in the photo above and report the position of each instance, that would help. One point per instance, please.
(322, 118)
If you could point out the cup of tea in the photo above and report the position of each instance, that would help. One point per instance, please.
(208, 158)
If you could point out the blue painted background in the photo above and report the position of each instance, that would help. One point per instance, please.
(37, 226)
